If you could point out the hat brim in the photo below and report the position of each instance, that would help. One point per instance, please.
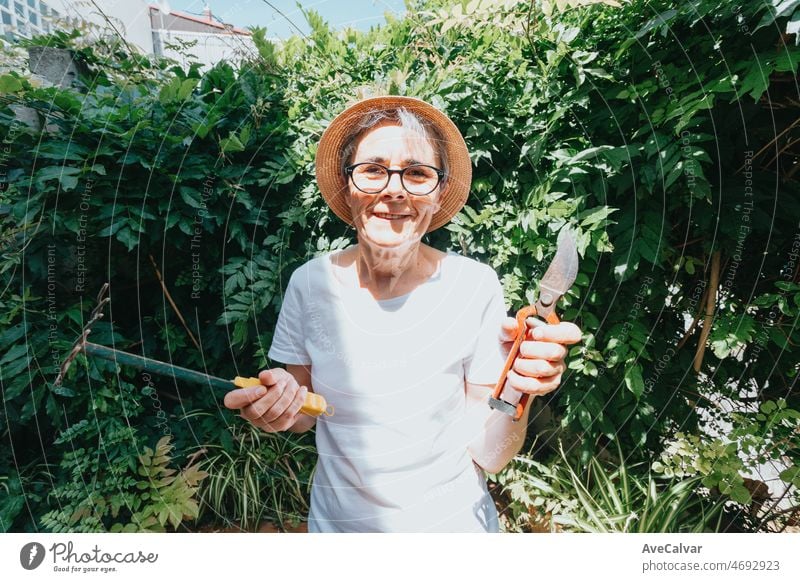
(333, 183)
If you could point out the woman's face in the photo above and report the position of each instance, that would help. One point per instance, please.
(395, 147)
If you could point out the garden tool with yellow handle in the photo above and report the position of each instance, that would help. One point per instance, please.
(314, 405)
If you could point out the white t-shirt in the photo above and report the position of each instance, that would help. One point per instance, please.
(393, 457)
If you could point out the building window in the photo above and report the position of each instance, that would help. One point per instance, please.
(24, 18)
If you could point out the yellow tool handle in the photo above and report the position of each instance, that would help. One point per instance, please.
(314, 404)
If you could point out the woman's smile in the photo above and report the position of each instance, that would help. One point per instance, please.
(395, 217)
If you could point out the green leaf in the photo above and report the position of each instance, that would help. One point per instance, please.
(55, 149)
(634, 382)
(68, 182)
(15, 352)
(784, 8)
(787, 286)
(755, 82)
(788, 59)
(244, 134)
(128, 237)
(231, 144)
(590, 153)
(186, 88)
(9, 84)
(190, 196)
(112, 228)
(740, 494)
(595, 215)
(52, 172)
(660, 20)
(791, 475)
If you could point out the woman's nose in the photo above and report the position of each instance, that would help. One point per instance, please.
(395, 186)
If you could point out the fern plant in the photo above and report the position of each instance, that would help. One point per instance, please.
(170, 497)
(118, 495)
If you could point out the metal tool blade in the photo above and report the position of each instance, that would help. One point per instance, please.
(157, 367)
(560, 275)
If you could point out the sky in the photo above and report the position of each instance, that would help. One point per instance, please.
(359, 14)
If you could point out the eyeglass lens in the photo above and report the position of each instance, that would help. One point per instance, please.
(417, 180)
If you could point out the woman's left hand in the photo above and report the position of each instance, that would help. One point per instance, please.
(540, 363)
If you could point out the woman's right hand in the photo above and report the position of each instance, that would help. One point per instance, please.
(272, 407)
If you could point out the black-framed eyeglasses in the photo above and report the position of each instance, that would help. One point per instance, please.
(416, 179)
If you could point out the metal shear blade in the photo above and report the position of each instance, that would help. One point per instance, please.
(560, 275)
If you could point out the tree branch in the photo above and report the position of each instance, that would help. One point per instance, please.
(711, 302)
(695, 320)
(172, 303)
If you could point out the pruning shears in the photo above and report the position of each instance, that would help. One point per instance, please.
(557, 280)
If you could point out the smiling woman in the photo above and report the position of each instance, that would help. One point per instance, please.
(404, 340)
(383, 209)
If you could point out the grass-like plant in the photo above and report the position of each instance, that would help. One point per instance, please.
(255, 477)
(604, 497)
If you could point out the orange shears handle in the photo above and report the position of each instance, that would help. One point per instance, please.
(522, 331)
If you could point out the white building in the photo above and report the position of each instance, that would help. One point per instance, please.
(212, 40)
(25, 17)
(152, 28)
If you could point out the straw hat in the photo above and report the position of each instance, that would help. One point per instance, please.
(333, 184)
